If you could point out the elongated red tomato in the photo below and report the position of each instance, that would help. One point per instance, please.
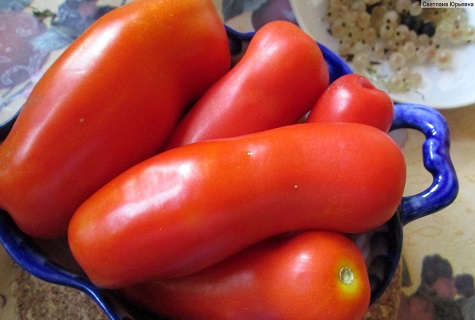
(189, 207)
(278, 80)
(353, 98)
(109, 102)
(312, 275)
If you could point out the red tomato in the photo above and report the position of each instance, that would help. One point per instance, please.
(278, 80)
(312, 275)
(109, 102)
(189, 207)
(353, 98)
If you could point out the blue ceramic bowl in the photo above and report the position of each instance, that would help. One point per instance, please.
(53, 262)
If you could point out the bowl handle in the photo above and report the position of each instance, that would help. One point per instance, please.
(436, 160)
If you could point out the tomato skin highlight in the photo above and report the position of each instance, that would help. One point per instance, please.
(353, 98)
(110, 101)
(288, 277)
(195, 205)
(278, 80)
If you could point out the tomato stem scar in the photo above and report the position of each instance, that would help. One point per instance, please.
(346, 275)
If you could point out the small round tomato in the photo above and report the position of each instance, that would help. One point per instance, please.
(353, 98)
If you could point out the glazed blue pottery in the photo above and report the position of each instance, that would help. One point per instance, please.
(59, 268)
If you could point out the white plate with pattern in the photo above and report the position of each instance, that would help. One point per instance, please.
(442, 89)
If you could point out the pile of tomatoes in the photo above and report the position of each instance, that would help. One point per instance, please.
(201, 189)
